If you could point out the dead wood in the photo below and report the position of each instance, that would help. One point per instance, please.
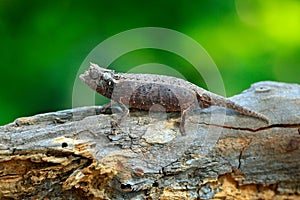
(76, 154)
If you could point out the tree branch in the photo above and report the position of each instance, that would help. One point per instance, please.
(76, 154)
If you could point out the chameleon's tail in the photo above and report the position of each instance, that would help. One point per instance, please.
(240, 109)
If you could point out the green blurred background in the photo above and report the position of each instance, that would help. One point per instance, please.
(44, 43)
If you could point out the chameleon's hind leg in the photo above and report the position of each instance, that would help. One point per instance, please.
(183, 118)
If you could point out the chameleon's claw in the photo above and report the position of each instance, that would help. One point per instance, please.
(115, 125)
(101, 110)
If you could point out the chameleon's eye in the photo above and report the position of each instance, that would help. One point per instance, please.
(117, 76)
(94, 74)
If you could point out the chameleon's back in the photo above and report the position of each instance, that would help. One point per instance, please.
(142, 91)
(154, 78)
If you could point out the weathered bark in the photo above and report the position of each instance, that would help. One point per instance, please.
(76, 154)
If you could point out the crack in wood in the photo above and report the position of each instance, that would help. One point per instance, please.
(250, 129)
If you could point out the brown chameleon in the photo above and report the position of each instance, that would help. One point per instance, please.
(143, 91)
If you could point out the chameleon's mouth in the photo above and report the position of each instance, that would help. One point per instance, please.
(87, 79)
(83, 77)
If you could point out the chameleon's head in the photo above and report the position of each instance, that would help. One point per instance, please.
(98, 78)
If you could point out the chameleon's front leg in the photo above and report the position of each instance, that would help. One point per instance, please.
(103, 108)
(125, 113)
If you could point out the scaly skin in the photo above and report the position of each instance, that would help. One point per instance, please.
(142, 91)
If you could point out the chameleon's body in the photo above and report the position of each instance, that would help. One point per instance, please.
(142, 91)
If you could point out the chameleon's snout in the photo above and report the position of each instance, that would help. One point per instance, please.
(83, 77)
(90, 78)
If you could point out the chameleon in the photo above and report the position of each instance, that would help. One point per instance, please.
(143, 91)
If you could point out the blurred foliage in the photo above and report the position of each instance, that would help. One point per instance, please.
(43, 43)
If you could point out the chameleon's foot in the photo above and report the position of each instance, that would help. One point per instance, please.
(182, 129)
(101, 110)
(115, 126)
(106, 108)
